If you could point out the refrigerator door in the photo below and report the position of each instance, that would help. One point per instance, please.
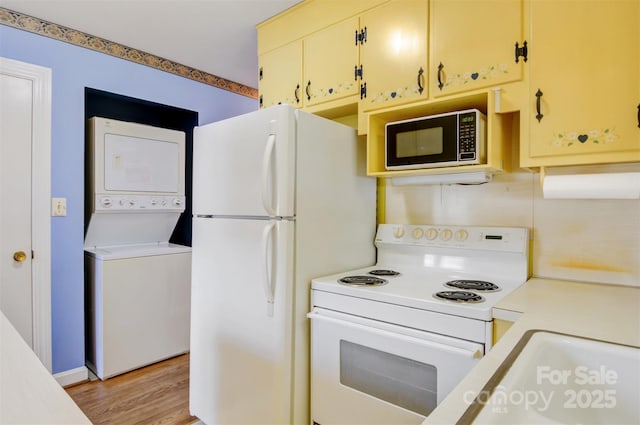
(241, 342)
(245, 166)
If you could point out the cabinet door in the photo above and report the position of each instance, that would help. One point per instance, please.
(585, 70)
(394, 55)
(330, 58)
(281, 76)
(473, 44)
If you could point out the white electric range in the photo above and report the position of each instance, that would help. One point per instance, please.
(390, 341)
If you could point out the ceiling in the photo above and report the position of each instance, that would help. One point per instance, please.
(215, 36)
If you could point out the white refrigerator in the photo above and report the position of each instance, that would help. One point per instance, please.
(279, 197)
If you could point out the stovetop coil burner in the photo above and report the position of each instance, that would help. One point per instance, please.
(384, 272)
(473, 285)
(362, 281)
(459, 296)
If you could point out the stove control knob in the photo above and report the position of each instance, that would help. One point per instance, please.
(431, 233)
(462, 235)
(398, 232)
(446, 234)
(106, 202)
(417, 233)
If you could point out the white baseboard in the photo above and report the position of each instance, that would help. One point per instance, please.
(72, 376)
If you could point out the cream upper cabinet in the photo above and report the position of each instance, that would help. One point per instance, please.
(585, 83)
(473, 44)
(330, 59)
(393, 54)
(280, 78)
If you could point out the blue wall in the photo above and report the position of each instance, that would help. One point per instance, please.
(73, 69)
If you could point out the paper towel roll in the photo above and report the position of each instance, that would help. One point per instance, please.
(592, 186)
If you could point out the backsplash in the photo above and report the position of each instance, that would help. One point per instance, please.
(584, 240)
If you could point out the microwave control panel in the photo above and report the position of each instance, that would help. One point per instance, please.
(467, 130)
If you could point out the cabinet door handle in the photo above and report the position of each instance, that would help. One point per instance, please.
(308, 89)
(440, 83)
(420, 80)
(296, 93)
(638, 115)
(539, 113)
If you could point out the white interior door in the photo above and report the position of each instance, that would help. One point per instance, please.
(15, 203)
(25, 137)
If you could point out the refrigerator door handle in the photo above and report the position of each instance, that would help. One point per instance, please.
(267, 188)
(269, 269)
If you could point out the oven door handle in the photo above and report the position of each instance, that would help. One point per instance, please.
(474, 353)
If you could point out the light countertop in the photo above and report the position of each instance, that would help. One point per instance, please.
(29, 394)
(606, 312)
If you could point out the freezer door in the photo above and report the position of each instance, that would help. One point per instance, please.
(241, 324)
(245, 166)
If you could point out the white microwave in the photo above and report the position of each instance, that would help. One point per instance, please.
(443, 140)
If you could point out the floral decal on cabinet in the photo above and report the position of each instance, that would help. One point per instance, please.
(290, 100)
(391, 95)
(332, 91)
(486, 73)
(596, 137)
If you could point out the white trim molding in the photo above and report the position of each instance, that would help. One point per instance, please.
(72, 376)
(40, 202)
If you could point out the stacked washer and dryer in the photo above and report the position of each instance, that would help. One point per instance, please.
(137, 294)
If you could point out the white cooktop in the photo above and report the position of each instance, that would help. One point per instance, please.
(415, 288)
(428, 256)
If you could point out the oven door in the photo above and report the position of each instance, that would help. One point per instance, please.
(369, 372)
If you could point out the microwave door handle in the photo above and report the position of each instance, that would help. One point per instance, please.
(267, 187)
(269, 267)
(466, 353)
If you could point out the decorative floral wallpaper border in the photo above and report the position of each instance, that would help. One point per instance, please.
(48, 29)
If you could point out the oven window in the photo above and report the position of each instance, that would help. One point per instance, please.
(398, 380)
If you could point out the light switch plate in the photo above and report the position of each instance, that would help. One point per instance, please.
(58, 207)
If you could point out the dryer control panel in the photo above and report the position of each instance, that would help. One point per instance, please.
(120, 203)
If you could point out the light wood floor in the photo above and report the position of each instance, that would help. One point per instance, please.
(156, 394)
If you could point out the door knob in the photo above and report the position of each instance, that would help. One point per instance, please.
(19, 256)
